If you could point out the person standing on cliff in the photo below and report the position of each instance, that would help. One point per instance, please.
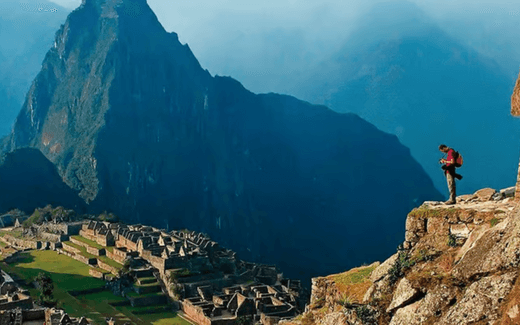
(449, 171)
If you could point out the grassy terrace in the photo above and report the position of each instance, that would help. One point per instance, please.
(354, 283)
(134, 294)
(88, 242)
(96, 245)
(148, 279)
(69, 274)
(103, 259)
(14, 233)
(151, 284)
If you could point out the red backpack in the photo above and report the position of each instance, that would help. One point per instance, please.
(458, 159)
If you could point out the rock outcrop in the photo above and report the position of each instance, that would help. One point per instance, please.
(515, 99)
(459, 264)
(137, 127)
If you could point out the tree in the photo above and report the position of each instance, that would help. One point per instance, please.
(46, 287)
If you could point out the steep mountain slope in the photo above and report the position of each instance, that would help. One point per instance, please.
(29, 180)
(402, 73)
(458, 264)
(137, 127)
(26, 33)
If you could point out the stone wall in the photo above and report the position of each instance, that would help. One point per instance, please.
(77, 257)
(23, 243)
(25, 302)
(95, 251)
(159, 263)
(87, 234)
(70, 248)
(70, 229)
(97, 273)
(123, 242)
(47, 236)
(115, 257)
(195, 313)
(33, 314)
(107, 267)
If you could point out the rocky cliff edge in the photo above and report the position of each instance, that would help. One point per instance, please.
(459, 264)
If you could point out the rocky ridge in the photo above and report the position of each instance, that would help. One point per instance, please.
(458, 265)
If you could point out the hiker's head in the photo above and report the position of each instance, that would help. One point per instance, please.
(444, 148)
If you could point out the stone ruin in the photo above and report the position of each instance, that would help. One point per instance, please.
(210, 283)
(207, 281)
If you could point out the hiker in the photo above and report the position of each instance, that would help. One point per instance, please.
(449, 171)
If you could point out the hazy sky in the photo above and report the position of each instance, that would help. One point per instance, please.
(247, 39)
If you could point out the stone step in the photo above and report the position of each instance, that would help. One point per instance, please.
(146, 280)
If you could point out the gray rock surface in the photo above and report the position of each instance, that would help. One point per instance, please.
(481, 301)
(485, 194)
(382, 269)
(404, 293)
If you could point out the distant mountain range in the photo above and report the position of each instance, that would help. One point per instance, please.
(26, 34)
(135, 126)
(405, 75)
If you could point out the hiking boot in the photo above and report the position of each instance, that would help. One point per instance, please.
(449, 202)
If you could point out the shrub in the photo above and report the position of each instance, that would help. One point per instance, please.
(452, 240)
(401, 264)
(36, 217)
(366, 315)
(244, 320)
(46, 288)
(493, 222)
(345, 300)
(308, 319)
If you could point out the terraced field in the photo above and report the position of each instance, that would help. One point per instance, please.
(69, 274)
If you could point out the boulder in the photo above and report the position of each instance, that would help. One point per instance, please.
(335, 318)
(485, 194)
(383, 269)
(465, 197)
(431, 305)
(407, 315)
(404, 294)
(481, 301)
(493, 250)
(508, 192)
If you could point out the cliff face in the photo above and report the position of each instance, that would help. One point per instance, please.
(515, 99)
(459, 265)
(137, 127)
(29, 180)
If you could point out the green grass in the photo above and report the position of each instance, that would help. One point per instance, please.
(134, 294)
(146, 284)
(87, 241)
(148, 279)
(69, 274)
(14, 233)
(66, 273)
(355, 276)
(103, 259)
(82, 249)
(166, 318)
(493, 222)
(110, 262)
